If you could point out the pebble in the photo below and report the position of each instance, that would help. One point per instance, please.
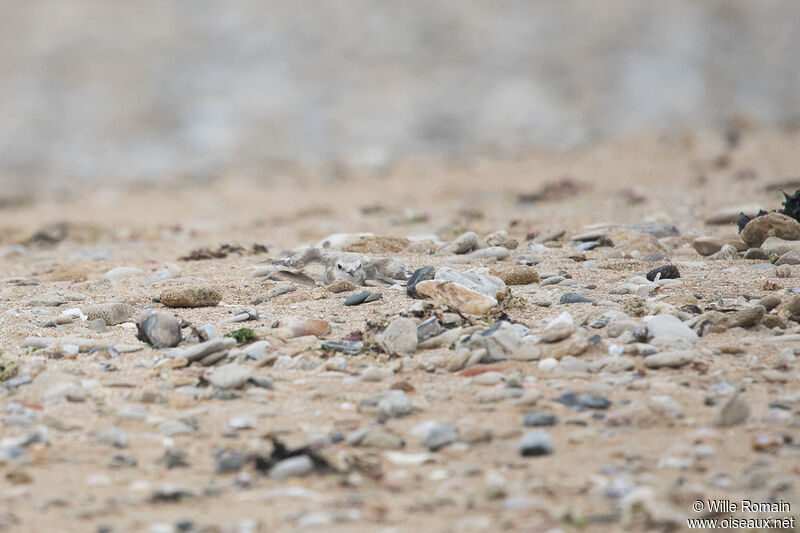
(111, 313)
(492, 252)
(539, 419)
(439, 436)
(735, 411)
(395, 404)
(421, 274)
(516, 274)
(98, 325)
(376, 437)
(574, 298)
(159, 329)
(746, 318)
(559, 328)
(362, 298)
(756, 254)
(457, 296)
(293, 467)
(228, 461)
(461, 245)
(671, 359)
(114, 436)
(664, 272)
(183, 297)
(400, 337)
(499, 341)
(501, 238)
(429, 328)
(534, 443)
(774, 245)
(164, 273)
(230, 376)
(200, 352)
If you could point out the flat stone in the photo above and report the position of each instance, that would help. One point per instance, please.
(376, 437)
(356, 299)
(348, 347)
(483, 283)
(340, 285)
(202, 350)
(300, 327)
(457, 296)
(574, 298)
(395, 404)
(775, 245)
(756, 254)
(439, 436)
(770, 225)
(746, 318)
(539, 419)
(230, 376)
(184, 297)
(492, 252)
(711, 245)
(123, 272)
(671, 359)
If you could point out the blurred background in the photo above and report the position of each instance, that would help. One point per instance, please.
(104, 91)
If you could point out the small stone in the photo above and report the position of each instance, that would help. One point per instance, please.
(671, 359)
(664, 272)
(574, 298)
(159, 328)
(535, 443)
(172, 427)
(123, 272)
(395, 404)
(735, 411)
(228, 461)
(421, 274)
(539, 419)
(559, 328)
(400, 337)
(111, 313)
(292, 467)
(340, 285)
(516, 274)
(98, 325)
(199, 352)
(462, 245)
(439, 436)
(168, 271)
(376, 437)
(230, 376)
(357, 299)
(492, 252)
(191, 297)
(769, 302)
(774, 245)
(456, 296)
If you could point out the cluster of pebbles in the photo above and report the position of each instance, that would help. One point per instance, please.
(602, 377)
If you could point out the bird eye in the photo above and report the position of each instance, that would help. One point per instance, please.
(339, 266)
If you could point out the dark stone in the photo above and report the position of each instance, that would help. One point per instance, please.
(227, 461)
(374, 297)
(666, 272)
(421, 274)
(429, 328)
(539, 419)
(574, 298)
(357, 299)
(583, 401)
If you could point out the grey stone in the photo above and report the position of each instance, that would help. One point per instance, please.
(395, 404)
(496, 252)
(672, 359)
(461, 245)
(348, 347)
(670, 326)
(292, 467)
(735, 411)
(204, 349)
(539, 419)
(421, 274)
(159, 328)
(439, 436)
(574, 298)
(534, 443)
(111, 313)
